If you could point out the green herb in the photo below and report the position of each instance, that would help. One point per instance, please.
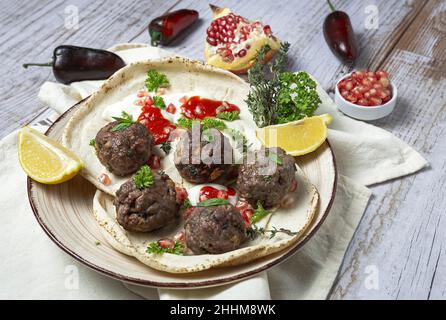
(229, 115)
(274, 157)
(166, 147)
(209, 123)
(212, 202)
(297, 97)
(208, 136)
(239, 138)
(98, 243)
(184, 123)
(283, 96)
(124, 121)
(253, 232)
(259, 213)
(93, 143)
(159, 102)
(154, 247)
(187, 204)
(155, 80)
(267, 178)
(143, 177)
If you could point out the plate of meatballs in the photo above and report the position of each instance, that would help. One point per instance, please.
(176, 190)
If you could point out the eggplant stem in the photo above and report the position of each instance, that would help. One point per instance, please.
(48, 64)
(332, 8)
(155, 37)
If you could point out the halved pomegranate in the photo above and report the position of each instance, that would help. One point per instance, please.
(232, 41)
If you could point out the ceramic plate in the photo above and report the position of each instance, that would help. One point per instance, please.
(65, 213)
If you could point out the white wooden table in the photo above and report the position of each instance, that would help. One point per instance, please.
(402, 234)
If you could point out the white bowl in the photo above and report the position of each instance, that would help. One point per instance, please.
(361, 112)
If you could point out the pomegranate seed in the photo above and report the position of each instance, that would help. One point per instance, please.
(267, 30)
(348, 85)
(351, 98)
(141, 93)
(293, 186)
(344, 93)
(385, 82)
(154, 162)
(104, 179)
(171, 108)
(242, 53)
(363, 102)
(373, 92)
(211, 41)
(166, 243)
(378, 86)
(382, 74)
(367, 95)
(222, 194)
(366, 82)
(181, 194)
(148, 101)
(183, 100)
(179, 236)
(248, 47)
(375, 101)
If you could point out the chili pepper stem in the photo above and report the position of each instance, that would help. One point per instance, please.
(155, 36)
(48, 64)
(332, 8)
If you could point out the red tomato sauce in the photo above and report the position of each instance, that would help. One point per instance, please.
(199, 108)
(159, 127)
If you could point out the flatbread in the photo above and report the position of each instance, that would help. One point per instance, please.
(186, 77)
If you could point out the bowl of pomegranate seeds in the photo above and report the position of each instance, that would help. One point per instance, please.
(366, 95)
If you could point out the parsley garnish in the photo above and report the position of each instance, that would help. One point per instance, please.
(187, 204)
(166, 147)
(93, 143)
(254, 231)
(228, 115)
(212, 202)
(155, 80)
(259, 213)
(241, 143)
(283, 97)
(143, 177)
(159, 102)
(124, 122)
(274, 157)
(207, 123)
(154, 247)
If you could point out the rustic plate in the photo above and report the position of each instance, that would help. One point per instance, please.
(65, 213)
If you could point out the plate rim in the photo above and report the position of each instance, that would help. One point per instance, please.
(177, 285)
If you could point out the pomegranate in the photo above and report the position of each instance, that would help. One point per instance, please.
(232, 41)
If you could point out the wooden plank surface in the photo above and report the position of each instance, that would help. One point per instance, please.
(402, 232)
(31, 30)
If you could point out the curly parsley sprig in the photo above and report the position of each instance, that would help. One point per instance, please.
(155, 80)
(155, 247)
(143, 177)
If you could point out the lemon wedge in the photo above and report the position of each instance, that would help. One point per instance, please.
(298, 137)
(45, 160)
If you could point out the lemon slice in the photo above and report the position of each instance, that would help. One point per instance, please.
(45, 160)
(298, 137)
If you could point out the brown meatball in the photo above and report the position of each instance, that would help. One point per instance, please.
(266, 179)
(206, 160)
(147, 209)
(214, 229)
(124, 152)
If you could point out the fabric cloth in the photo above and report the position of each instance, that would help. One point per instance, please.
(32, 267)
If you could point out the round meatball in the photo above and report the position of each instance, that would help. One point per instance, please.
(267, 176)
(204, 157)
(214, 229)
(123, 152)
(148, 209)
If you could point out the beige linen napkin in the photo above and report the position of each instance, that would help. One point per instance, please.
(365, 155)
